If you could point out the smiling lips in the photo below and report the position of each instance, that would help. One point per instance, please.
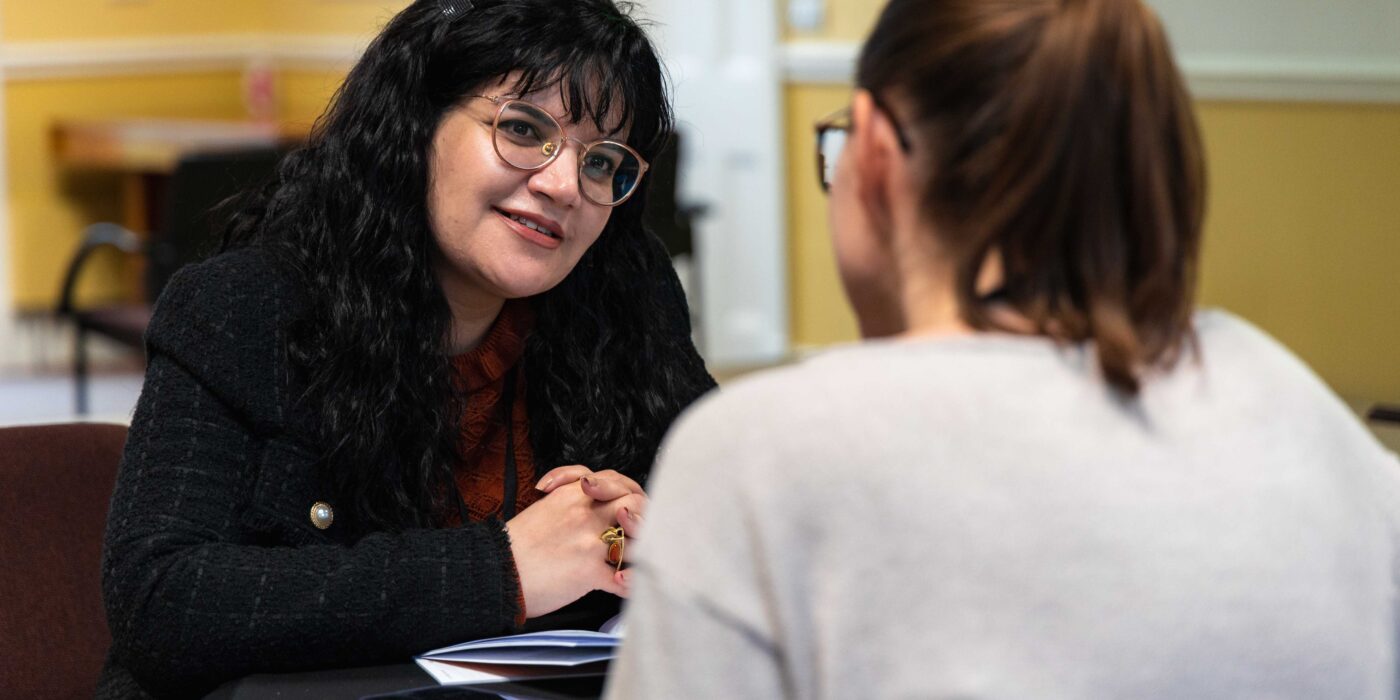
(542, 232)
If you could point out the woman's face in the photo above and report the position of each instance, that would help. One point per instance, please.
(476, 202)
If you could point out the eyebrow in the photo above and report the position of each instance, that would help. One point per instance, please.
(564, 118)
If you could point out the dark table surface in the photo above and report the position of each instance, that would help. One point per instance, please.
(396, 681)
(407, 680)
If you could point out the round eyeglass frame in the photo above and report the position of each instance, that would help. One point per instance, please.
(503, 102)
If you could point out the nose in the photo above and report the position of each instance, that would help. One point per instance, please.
(559, 180)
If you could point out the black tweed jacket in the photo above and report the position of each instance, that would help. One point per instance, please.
(213, 568)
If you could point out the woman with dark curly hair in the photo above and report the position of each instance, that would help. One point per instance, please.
(444, 297)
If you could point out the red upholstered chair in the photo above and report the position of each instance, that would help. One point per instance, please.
(55, 484)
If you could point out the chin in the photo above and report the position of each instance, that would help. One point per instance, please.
(520, 286)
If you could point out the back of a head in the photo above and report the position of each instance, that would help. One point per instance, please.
(1063, 146)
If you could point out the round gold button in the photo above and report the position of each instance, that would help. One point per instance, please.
(322, 515)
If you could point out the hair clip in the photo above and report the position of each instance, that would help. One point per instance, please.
(455, 8)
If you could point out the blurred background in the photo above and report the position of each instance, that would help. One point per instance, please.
(106, 107)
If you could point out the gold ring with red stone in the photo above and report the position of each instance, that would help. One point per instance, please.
(616, 540)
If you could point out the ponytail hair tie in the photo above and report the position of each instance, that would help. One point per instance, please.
(453, 9)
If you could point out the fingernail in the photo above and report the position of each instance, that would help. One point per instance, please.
(544, 484)
(590, 480)
(632, 515)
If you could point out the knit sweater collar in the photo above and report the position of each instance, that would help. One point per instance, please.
(500, 350)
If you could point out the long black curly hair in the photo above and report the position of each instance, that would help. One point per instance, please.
(348, 212)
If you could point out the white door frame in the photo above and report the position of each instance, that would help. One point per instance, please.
(724, 58)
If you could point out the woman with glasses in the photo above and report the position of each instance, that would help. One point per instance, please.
(1044, 474)
(415, 400)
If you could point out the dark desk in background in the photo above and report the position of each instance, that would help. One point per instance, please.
(144, 153)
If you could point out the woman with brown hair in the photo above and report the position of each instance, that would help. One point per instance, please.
(1044, 474)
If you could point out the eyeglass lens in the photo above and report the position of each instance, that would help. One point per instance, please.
(830, 143)
(527, 137)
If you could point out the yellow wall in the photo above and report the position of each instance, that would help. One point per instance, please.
(846, 20)
(48, 207)
(1303, 233)
(818, 309)
(47, 20)
(304, 94)
(338, 17)
(64, 20)
(1302, 236)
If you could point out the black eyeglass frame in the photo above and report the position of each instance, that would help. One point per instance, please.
(840, 120)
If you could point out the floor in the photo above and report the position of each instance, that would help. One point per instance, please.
(49, 398)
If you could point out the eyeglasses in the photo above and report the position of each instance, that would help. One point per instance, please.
(528, 138)
(832, 133)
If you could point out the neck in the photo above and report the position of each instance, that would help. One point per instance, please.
(472, 314)
(927, 298)
(930, 308)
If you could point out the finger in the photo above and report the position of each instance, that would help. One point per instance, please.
(624, 579)
(602, 488)
(631, 521)
(631, 483)
(560, 476)
(613, 581)
(629, 515)
(608, 512)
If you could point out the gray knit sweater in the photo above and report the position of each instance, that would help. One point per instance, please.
(978, 517)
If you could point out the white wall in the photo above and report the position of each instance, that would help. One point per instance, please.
(724, 59)
(1344, 50)
(1351, 31)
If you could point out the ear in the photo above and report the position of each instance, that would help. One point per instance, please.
(878, 160)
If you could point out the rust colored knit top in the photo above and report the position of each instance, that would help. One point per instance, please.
(480, 377)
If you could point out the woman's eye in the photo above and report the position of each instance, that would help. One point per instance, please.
(600, 165)
(519, 129)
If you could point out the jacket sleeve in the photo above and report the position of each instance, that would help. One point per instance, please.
(192, 599)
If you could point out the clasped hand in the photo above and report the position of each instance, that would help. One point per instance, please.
(556, 542)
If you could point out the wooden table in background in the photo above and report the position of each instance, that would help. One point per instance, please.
(144, 152)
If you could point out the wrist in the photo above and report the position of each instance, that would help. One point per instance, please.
(513, 575)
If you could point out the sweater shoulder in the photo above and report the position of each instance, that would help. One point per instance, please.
(225, 322)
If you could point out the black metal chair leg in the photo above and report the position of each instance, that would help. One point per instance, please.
(80, 369)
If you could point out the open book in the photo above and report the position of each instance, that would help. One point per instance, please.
(532, 656)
